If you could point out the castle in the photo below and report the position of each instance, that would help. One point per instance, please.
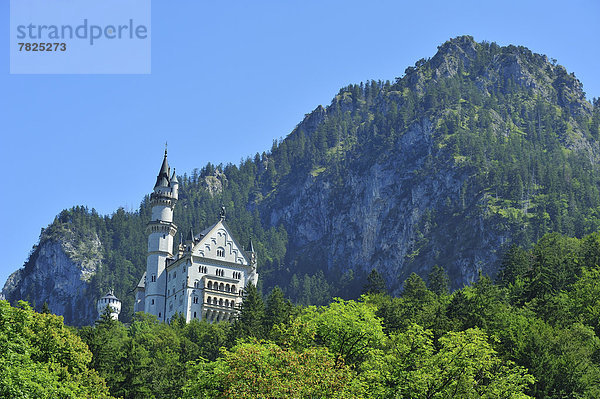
(205, 278)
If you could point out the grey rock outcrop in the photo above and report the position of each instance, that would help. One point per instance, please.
(58, 272)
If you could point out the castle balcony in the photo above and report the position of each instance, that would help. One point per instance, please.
(159, 226)
(213, 314)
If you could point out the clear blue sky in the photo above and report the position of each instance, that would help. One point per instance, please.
(228, 78)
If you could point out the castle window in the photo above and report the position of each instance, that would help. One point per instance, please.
(194, 315)
(221, 287)
(221, 302)
(226, 302)
(221, 252)
(210, 285)
(196, 283)
(153, 278)
(227, 288)
(208, 300)
(202, 269)
(195, 299)
(153, 301)
(233, 289)
(232, 304)
(159, 315)
(214, 301)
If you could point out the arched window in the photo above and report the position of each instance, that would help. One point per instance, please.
(221, 302)
(221, 287)
(210, 285)
(215, 301)
(194, 315)
(208, 300)
(233, 289)
(227, 288)
(227, 302)
(221, 252)
(232, 304)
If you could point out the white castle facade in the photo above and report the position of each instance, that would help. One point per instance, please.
(205, 277)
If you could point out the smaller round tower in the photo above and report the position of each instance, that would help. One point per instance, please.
(113, 302)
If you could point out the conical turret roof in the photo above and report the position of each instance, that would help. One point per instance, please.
(162, 180)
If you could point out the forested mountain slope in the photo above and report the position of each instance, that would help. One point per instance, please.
(470, 151)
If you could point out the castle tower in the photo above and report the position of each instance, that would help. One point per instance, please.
(161, 232)
(111, 301)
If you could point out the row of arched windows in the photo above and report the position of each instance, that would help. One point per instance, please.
(221, 287)
(220, 302)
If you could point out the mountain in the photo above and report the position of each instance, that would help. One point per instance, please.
(473, 150)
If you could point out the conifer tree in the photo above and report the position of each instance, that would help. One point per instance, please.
(375, 283)
(278, 309)
(438, 281)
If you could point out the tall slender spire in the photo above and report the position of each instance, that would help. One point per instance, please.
(163, 177)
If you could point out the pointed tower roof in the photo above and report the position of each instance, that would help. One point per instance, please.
(174, 178)
(162, 179)
(250, 247)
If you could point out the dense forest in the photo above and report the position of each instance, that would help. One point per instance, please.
(533, 331)
(469, 152)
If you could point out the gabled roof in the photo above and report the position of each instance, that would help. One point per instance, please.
(206, 234)
(142, 283)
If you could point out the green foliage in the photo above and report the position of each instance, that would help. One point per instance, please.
(260, 370)
(348, 329)
(485, 340)
(41, 358)
(464, 365)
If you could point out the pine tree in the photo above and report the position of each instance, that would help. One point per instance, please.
(252, 315)
(46, 308)
(278, 309)
(375, 283)
(438, 281)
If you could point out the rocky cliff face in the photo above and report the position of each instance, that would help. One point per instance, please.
(58, 272)
(420, 202)
(383, 217)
